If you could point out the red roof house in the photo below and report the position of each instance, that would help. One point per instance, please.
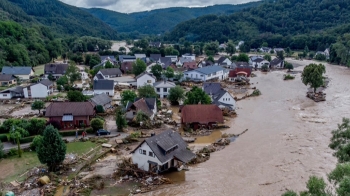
(190, 65)
(195, 116)
(70, 114)
(126, 67)
(239, 71)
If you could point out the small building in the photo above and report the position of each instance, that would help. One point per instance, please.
(108, 73)
(7, 79)
(155, 44)
(245, 71)
(140, 56)
(147, 105)
(104, 86)
(223, 61)
(258, 63)
(23, 73)
(197, 116)
(162, 88)
(277, 63)
(70, 114)
(165, 62)
(206, 73)
(55, 69)
(183, 60)
(111, 59)
(126, 58)
(14, 92)
(190, 65)
(172, 57)
(103, 100)
(161, 152)
(219, 96)
(191, 56)
(145, 79)
(41, 89)
(155, 57)
(126, 67)
(265, 49)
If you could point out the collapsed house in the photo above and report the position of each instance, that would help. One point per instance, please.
(162, 152)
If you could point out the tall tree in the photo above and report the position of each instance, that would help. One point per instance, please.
(76, 96)
(52, 150)
(73, 73)
(267, 57)
(176, 94)
(17, 133)
(147, 91)
(230, 48)
(120, 119)
(169, 72)
(156, 70)
(242, 57)
(197, 95)
(127, 96)
(138, 67)
(313, 75)
(38, 105)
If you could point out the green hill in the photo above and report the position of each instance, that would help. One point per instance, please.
(160, 20)
(62, 19)
(280, 23)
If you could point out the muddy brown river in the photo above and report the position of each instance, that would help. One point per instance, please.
(287, 140)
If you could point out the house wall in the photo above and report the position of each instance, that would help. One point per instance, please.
(23, 77)
(54, 75)
(37, 91)
(227, 61)
(142, 160)
(108, 92)
(145, 80)
(161, 92)
(194, 75)
(6, 95)
(228, 99)
(191, 57)
(74, 123)
(261, 64)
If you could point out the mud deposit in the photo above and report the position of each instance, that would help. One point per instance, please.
(287, 140)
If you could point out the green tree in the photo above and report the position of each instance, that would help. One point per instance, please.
(211, 58)
(96, 124)
(2, 152)
(120, 119)
(321, 57)
(178, 76)
(344, 187)
(156, 70)
(62, 81)
(36, 142)
(147, 91)
(242, 57)
(267, 57)
(230, 48)
(337, 175)
(141, 117)
(290, 193)
(138, 67)
(340, 141)
(16, 134)
(127, 96)
(316, 186)
(265, 68)
(109, 65)
(38, 105)
(51, 150)
(76, 96)
(288, 65)
(197, 95)
(169, 72)
(313, 75)
(211, 48)
(73, 73)
(50, 77)
(122, 50)
(176, 94)
(280, 54)
(311, 55)
(100, 109)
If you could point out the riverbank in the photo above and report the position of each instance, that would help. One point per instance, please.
(286, 143)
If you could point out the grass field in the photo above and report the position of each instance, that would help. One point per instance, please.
(39, 69)
(12, 167)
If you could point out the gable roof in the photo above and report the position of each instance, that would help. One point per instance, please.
(276, 61)
(74, 108)
(149, 101)
(126, 66)
(163, 84)
(122, 57)
(46, 82)
(258, 60)
(105, 58)
(16, 89)
(211, 88)
(209, 69)
(245, 69)
(7, 77)
(142, 105)
(155, 57)
(165, 61)
(103, 84)
(201, 113)
(185, 59)
(99, 76)
(145, 73)
(17, 70)
(190, 65)
(221, 59)
(101, 99)
(165, 141)
(55, 68)
(111, 71)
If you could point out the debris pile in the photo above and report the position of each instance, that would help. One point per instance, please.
(319, 96)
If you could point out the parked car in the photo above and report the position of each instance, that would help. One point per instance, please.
(102, 132)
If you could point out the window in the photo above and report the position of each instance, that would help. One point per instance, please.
(4, 95)
(149, 81)
(165, 90)
(144, 152)
(158, 89)
(150, 154)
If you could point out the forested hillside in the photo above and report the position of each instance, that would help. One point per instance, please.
(62, 19)
(280, 23)
(161, 20)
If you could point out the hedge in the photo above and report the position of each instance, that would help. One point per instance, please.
(70, 133)
(3, 137)
(26, 139)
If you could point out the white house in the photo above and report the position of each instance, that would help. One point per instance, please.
(147, 105)
(258, 63)
(265, 49)
(253, 58)
(223, 61)
(219, 96)
(145, 79)
(108, 73)
(172, 57)
(23, 73)
(55, 69)
(14, 92)
(104, 86)
(162, 88)
(39, 90)
(278, 50)
(183, 60)
(191, 56)
(277, 63)
(140, 56)
(206, 73)
(162, 152)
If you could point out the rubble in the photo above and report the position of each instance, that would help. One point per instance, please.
(317, 97)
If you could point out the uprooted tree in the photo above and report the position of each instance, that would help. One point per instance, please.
(313, 75)
(51, 150)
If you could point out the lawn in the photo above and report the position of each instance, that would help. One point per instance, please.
(39, 70)
(11, 168)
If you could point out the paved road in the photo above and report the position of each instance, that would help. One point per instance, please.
(9, 145)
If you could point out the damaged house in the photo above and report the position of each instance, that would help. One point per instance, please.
(161, 152)
(219, 96)
(146, 105)
(201, 116)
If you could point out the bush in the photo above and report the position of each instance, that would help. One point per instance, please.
(3, 138)
(89, 130)
(288, 77)
(97, 124)
(3, 130)
(26, 139)
(36, 142)
(13, 152)
(2, 153)
(54, 123)
(99, 109)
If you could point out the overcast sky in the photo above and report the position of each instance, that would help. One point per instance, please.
(128, 6)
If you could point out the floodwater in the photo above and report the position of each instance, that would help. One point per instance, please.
(286, 142)
(208, 139)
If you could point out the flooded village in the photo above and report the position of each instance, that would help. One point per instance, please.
(259, 135)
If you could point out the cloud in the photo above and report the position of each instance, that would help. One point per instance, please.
(128, 6)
